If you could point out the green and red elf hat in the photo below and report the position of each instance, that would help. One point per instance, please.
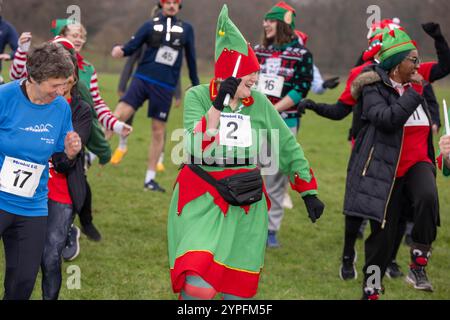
(378, 27)
(395, 41)
(283, 12)
(375, 36)
(230, 45)
(59, 24)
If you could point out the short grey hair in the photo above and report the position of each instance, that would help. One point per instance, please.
(49, 61)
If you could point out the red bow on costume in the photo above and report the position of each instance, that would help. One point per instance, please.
(80, 61)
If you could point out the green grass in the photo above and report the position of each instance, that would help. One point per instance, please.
(131, 261)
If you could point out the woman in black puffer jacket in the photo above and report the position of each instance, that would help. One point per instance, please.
(393, 162)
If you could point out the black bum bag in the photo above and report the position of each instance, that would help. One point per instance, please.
(238, 190)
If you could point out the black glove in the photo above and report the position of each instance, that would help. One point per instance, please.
(432, 29)
(306, 104)
(331, 83)
(228, 86)
(314, 206)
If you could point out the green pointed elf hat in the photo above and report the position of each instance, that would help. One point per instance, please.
(395, 41)
(230, 44)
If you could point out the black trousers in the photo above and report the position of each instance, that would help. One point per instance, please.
(354, 224)
(23, 240)
(418, 190)
(85, 213)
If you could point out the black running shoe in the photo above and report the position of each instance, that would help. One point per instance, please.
(72, 248)
(393, 270)
(347, 271)
(418, 278)
(152, 185)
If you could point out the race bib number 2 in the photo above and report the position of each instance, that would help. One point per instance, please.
(166, 55)
(20, 177)
(235, 130)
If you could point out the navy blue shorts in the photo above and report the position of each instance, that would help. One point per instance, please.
(159, 98)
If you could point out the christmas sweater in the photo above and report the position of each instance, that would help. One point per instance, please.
(286, 70)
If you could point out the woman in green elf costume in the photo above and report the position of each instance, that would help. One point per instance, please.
(217, 224)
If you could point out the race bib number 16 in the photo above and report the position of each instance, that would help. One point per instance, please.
(271, 85)
(20, 177)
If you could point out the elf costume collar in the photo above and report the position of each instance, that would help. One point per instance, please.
(285, 45)
(283, 12)
(247, 102)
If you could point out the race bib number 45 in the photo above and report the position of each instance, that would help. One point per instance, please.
(166, 55)
(20, 177)
(235, 130)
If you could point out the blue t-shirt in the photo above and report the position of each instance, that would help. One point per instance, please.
(30, 133)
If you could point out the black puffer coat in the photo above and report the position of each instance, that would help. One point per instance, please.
(381, 115)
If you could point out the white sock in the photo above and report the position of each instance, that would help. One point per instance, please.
(123, 143)
(150, 175)
(161, 158)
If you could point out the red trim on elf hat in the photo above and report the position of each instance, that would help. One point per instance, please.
(375, 45)
(284, 5)
(227, 60)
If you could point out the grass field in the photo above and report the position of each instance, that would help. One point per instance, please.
(131, 261)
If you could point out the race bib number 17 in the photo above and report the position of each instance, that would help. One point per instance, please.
(20, 177)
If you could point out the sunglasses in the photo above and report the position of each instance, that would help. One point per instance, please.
(415, 60)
